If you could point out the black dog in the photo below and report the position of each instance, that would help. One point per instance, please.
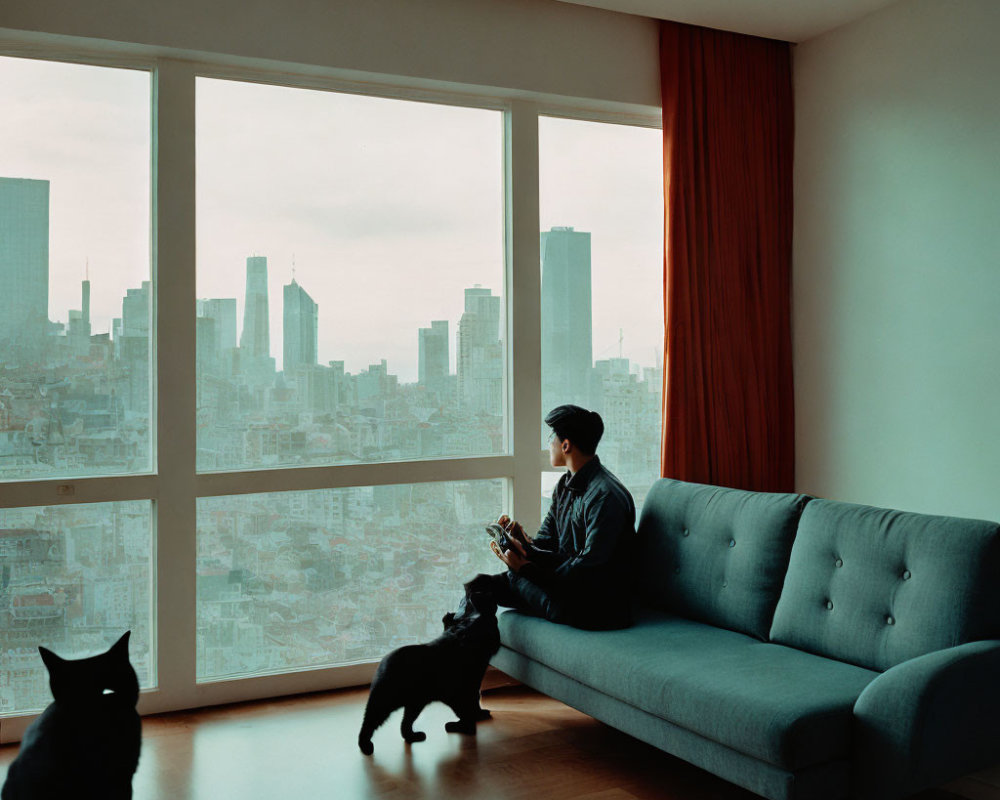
(449, 669)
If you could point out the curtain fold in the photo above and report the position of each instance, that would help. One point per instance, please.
(728, 410)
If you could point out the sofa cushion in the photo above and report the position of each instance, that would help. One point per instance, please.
(715, 555)
(783, 706)
(875, 587)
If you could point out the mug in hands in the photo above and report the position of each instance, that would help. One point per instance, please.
(498, 535)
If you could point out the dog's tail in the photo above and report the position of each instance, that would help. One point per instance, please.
(377, 711)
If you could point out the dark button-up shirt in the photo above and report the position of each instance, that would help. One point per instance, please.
(581, 554)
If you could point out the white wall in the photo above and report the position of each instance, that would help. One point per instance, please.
(897, 259)
(533, 46)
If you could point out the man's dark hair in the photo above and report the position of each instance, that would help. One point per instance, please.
(583, 428)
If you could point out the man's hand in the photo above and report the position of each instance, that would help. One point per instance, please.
(515, 531)
(515, 558)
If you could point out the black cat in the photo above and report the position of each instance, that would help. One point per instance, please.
(449, 669)
(86, 743)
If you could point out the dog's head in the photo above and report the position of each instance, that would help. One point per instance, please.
(474, 606)
(473, 627)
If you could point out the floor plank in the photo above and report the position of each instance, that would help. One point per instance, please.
(305, 747)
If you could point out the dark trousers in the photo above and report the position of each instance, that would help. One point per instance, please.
(512, 591)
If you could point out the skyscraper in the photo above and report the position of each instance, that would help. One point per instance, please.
(256, 337)
(223, 311)
(24, 259)
(134, 346)
(85, 304)
(567, 347)
(480, 353)
(78, 329)
(432, 368)
(301, 328)
(135, 311)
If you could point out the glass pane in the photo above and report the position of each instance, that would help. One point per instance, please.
(602, 285)
(350, 265)
(73, 579)
(549, 481)
(304, 579)
(75, 366)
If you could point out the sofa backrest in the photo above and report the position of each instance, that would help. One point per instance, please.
(715, 555)
(875, 587)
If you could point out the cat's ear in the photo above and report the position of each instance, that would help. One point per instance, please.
(448, 620)
(121, 646)
(50, 659)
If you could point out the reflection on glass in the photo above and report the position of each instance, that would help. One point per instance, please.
(302, 579)
(74, 270)
(602, 285)
(350, 262)
(73, 578)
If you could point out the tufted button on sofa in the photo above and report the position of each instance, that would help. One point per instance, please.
(853, 653)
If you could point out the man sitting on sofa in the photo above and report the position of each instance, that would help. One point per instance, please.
(575, 570)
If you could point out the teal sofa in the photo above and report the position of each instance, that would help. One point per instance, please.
(798, 647)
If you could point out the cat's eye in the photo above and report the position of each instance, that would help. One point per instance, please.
(108, 691)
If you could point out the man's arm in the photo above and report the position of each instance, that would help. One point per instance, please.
(606, 518)
(543, 547)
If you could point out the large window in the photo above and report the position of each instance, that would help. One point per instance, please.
(268, 359)
(350, 276)
(601, 209)
(74, 270)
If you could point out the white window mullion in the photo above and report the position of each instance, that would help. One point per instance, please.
(174, 282)
(121, 488)
(524, 289)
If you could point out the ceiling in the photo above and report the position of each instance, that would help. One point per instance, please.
(789, 20)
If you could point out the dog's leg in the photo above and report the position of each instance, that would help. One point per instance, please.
(475, 696)
(469, 713)
(479, 712)
(410, 714)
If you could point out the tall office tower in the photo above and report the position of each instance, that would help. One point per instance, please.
(136, 312)
(567, 346)
(256, 337)
(432, 369)
(223, 311)
(24, 261)
(480, 353)
(133, 348)
(301, 328)
(79, 321)
(85, 305)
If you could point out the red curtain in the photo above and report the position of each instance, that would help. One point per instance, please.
(728, 412)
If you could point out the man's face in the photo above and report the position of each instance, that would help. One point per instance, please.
(557, 454)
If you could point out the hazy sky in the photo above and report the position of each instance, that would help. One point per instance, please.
(86, 131)
(389, 209)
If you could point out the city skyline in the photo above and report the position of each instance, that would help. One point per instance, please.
(78, 400)
(566, 279)
(311, 183)
(566, 318)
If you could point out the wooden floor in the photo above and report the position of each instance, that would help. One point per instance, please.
(305, 747)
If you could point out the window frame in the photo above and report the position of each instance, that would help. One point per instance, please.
(174, 485)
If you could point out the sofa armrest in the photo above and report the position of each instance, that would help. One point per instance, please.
(927, 721)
